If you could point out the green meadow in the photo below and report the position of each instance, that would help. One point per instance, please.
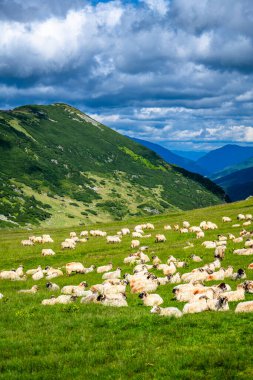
(81, 341)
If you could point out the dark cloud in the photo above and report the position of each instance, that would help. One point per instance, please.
(157, 69)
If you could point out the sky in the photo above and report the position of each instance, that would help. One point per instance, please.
(175, 72)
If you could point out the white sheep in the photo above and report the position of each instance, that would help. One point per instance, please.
(135, 243)
(47, 252)
(167, 311)
(109, 275)
(34, 289)
(52, 287)
(113, 239)
(151, 299)
(195, 307)
(244, 307)
(104, 268)
(226, 219)
(160, 238)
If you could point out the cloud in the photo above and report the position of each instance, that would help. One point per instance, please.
(157, 69)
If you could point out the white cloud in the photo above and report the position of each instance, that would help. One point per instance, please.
(159, 6)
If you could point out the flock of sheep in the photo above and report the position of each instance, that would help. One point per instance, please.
(190, 287)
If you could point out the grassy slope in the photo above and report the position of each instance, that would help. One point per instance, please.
(59, 152)
(95, 342)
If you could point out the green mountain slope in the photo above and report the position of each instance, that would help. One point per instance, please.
(58, 164)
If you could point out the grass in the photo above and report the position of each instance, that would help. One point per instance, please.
(94, 342)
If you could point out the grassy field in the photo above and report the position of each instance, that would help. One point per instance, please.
(80, 341)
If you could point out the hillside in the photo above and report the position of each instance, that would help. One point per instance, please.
(59, 167)
(221, 158)
(190, 154)
(92, 341)
(238, 185)
(171, 157)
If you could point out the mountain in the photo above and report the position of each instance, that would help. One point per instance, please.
(231, 169)
(238, 185)
(190, 154)
(60, 167)
(170, 157)
(221, 158)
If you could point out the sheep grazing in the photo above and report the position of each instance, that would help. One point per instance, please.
(151, 299)
(47, 239)
(104, 268)
(209, 244)
(63, 299)
(156, 260)
(219, 252)
(13, 275)
(241, 217)
(30, 272)
(167, 227)
(226, 219)
(238, 240)
(249, 216)
(186, 224)
(236, 225)
(47, 252)
(125, 231)
(1, 296)
(248, 223)
(110, 275)
(135, 243)
(249, 243)
(244, 307)
(200, 235)
(34, 289)
(72, 234)
(113, 239)
(183, 230)
(53, 273)
(248, 287)
(52, 287)
(68, 244)
(84, 233)
(159, 238)
(27, 243)
(167, 311)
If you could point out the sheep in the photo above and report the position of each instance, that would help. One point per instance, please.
(176, 227)
(231, 236)
(200, 235)
(244, 307)
(135, 243)
(151, 299)
(113, 239)
(150, 226)
(30, 272)
(72, 234)
(219, 252)
(226, 219)
(241, 217)
(156, 260)
(125, 231)
(167, 269)
(250, 266)
(167, 227)
(248, 223)
(33, 290)
(1, 296)
(38, 275)
(195, 229)
(49, 301)
(167, 311)
(249, 216)
(62, 299)
(104, 268)
(183, 230)
(236, 295)
(248, 243)
(220, 304)
(68, 245)
(196, 259)
(240, 275)
(236, 225)
(238, 240)
(244, 251)
(47, 252)
(74, 267)
(47, 239)
(209, 244)
(174, 279)
(84, 233)
(186, 224)
(53, 273)
(78, 290)
(109, 275)
(52, 287)
(195, 307)
(159, 238)
(189, 245)
(248, 286)
(27, 243)
(115, 302)
(141, 284)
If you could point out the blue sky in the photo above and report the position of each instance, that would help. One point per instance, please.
(175, 72)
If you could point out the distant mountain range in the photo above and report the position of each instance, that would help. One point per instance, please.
(61, 167)
(230, 166)
(190, 154)
(171, 157)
